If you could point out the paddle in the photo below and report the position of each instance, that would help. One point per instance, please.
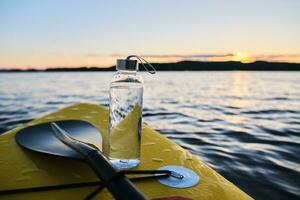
(119, 185)
(52, 139)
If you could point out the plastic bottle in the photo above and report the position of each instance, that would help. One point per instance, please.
(125, 115)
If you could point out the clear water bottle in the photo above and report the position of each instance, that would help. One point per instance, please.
(125, 115)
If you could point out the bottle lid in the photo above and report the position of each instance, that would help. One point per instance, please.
(127, 64)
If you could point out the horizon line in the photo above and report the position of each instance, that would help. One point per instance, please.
(158, 63)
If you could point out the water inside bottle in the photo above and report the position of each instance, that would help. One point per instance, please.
(125, 124)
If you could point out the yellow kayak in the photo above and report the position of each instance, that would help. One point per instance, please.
(21, 168)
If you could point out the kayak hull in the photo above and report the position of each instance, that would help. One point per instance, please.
(21, 168)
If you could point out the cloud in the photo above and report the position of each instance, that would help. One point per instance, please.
(161, 56)
(186, 55)
(238, 56)
(278, 57)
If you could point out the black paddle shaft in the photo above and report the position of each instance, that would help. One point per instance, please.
(118, 184)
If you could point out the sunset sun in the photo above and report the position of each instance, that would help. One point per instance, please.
(243, 57)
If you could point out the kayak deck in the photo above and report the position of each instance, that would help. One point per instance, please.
(22, 168)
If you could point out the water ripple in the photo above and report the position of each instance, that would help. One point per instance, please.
(246, 125)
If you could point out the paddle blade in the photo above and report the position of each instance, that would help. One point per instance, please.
(40, 138)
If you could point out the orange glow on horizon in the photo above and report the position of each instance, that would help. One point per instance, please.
(99, 60)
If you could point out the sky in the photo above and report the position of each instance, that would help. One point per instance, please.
(73, 33)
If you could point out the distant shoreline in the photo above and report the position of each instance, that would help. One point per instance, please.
(185, 66)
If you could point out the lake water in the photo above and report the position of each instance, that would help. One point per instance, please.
(246, 125)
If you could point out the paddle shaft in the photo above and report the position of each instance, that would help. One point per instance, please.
(119, 185)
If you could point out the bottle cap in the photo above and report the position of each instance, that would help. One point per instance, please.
(127, 64)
